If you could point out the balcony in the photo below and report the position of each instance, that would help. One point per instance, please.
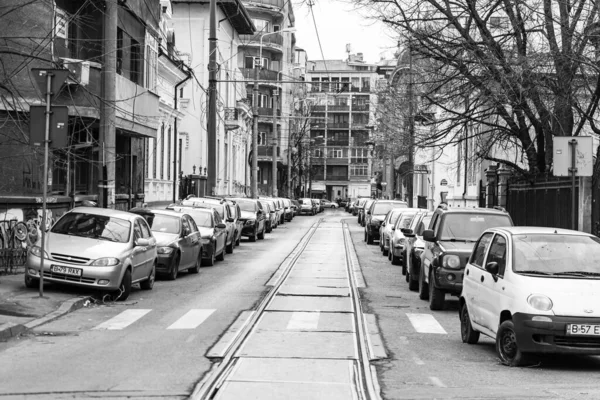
(137, 108)
(267, 152)
(337, 177)
(267, 112)
(360, 107)
(338, 125)
(263, 74)
(276, 6)
(273, 41)
(342, 142)
(318, 109)
(339, 108)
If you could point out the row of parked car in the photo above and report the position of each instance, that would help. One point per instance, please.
(111, 250)
(532, 289)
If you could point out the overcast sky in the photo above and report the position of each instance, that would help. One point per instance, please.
(338, 24)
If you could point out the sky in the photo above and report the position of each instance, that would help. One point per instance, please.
(338, 24)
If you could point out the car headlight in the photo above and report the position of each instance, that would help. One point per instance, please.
(250, 222)
(451, 261)
(105, 262)
(400, 243)
(164, 250)
(540, 302)
(37, 251)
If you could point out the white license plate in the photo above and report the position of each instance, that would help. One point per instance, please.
(583, 329)
(66, 270)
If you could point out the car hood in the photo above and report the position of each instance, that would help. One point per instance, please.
(165, 239)
(570, 297)
(457, 247)
(247, 215)
(84, 247)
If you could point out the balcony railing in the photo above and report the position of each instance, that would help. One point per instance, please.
(267, 112)
(263, 74)
(339, 108)
(338, 125)
(267, 151)
(272, 39)
(279, 4)
(331, 142)
(337, 177)
(360, 107)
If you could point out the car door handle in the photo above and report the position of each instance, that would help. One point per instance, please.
(482, 278)
(467, 272)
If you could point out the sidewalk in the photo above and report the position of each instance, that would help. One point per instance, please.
(22, 309)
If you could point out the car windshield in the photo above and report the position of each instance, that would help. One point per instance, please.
(247, 205)
(200, 217)
(207, 204)
(405, 220)
(555, 254)
(93, 226)
(164, 223)
(394, 215)
(367, 204)
(383, 208)
(305, 201)
(422, 225)
(469, 226)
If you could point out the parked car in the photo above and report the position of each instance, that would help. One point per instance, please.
(350, 205)
(375, 214)
(271, 222)
(96, 248)
(363, 207)
(358, 203)
(287, 209)
(316, 205)
(307, 206)
(329, 204)
(236, 213)
(213, 231)
(449, 243)
(415, 247)
(177, 241)
(222, 206)
(254, 217)
(397, 253)
(533, 290)
(386, 229)
(295, 207)
(279, 209)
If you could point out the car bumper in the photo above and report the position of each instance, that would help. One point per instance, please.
(372, 229)
(249, 231)
(306, 211)
(93, 277)
(551, 337)
(207, 250)
(164, 262)
(449, 280)
(289, 215)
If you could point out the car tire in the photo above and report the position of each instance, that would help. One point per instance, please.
(174, 271)
(413, 284)
(196, 268)
(423, 286)
(261, 235)
(390, 255)
(148, 284)
(507, 347)
(211, 261)
(437, 297)
(370, 239)
(221, 256)
(395, 260)
(467, 333)
(238, 241)
(229, 248)
(385, 252)
(122, 293)
(31, 282)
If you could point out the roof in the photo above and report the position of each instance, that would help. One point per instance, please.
(466, 210)
(235, 12)
(538, 230)
(146, 211)
(109, 212)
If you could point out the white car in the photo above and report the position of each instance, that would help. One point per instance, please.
(386, 230)
(398, 240)
(534, 290)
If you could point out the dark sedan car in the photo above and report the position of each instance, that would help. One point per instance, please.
(177, 241)
(253, 217)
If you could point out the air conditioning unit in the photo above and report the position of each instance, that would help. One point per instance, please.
(79, 71)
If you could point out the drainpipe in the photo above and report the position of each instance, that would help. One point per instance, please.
(175, 161)
(466, 157)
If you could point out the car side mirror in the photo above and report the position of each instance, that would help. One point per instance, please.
(393, 228)
(230, 220)
(408, 232)
(383, 224)
(368, 212)
(428, 235)
(142, 242)
(492, 268)
(221, 226)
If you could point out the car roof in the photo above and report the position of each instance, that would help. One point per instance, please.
(472, 210)
(537, 230)
(145, 211)
(109, 212)
(191, 207)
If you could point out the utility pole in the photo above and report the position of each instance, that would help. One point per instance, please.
(289, 160)
(411, 130)
(274, 144)
(107, 125)
(254, 172)
(212, 100)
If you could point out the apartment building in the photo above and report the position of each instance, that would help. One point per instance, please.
(344, 102)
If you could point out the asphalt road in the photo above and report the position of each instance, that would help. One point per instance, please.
(152, 345)
(434, 363)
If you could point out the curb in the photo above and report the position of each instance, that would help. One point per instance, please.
(9, 329)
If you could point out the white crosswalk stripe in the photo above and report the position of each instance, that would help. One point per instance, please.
(192, 319)
(122, 320)
(426, 323)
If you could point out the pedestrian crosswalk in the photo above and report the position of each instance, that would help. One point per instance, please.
(190, 320)
(122, 320)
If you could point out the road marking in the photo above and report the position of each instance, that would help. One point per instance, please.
(425, 323)
(192, 319)
(304, 320)
(122, 320)
(437, 382)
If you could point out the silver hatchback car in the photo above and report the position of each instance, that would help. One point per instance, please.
(98, 248)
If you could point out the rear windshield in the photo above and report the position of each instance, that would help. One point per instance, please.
(405, 220)
(383, 208)
(200, 217)
(93, 226)
(164, 223)
(394, 216)
(469, 226)
(305, 201)
(247, 205)
(422, 225)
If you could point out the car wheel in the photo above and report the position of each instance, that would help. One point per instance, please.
(437, 297)
(395, 260)
(423, 286)
(467, 333)
(413, 284)
(31, 282)
(196, 268)
(211, 261)
(365, 236)
(238, 241)
(390, 255)
(221, 256)
(261, 235)
(174, 268)
(370, 239)
(385, 251)
(124, 290)
(507, 347)
(148, 284)
(229, 247)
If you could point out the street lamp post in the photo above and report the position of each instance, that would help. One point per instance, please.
(370, 146)
(257, 65)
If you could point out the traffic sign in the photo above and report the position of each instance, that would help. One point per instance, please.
(59, 76)
(59, 124)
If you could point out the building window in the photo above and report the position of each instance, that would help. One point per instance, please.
(358, 170)
(154, 151)
(262, 138)
(225, 158)
(359, 156)
(169, 153)
(335, 153)
(318, 153)
(147, 158)
(261, 25)
(135, 61)
(162, 151)
(119, 51)
(151, 64)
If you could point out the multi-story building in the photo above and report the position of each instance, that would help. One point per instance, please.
(345, 99)
(271, 48)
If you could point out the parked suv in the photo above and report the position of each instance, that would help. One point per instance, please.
(449, 241)
(375, 215)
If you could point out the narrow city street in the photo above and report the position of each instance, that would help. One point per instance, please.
(293, 295)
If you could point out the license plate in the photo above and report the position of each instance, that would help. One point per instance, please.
(66, 270)
(583, 329)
